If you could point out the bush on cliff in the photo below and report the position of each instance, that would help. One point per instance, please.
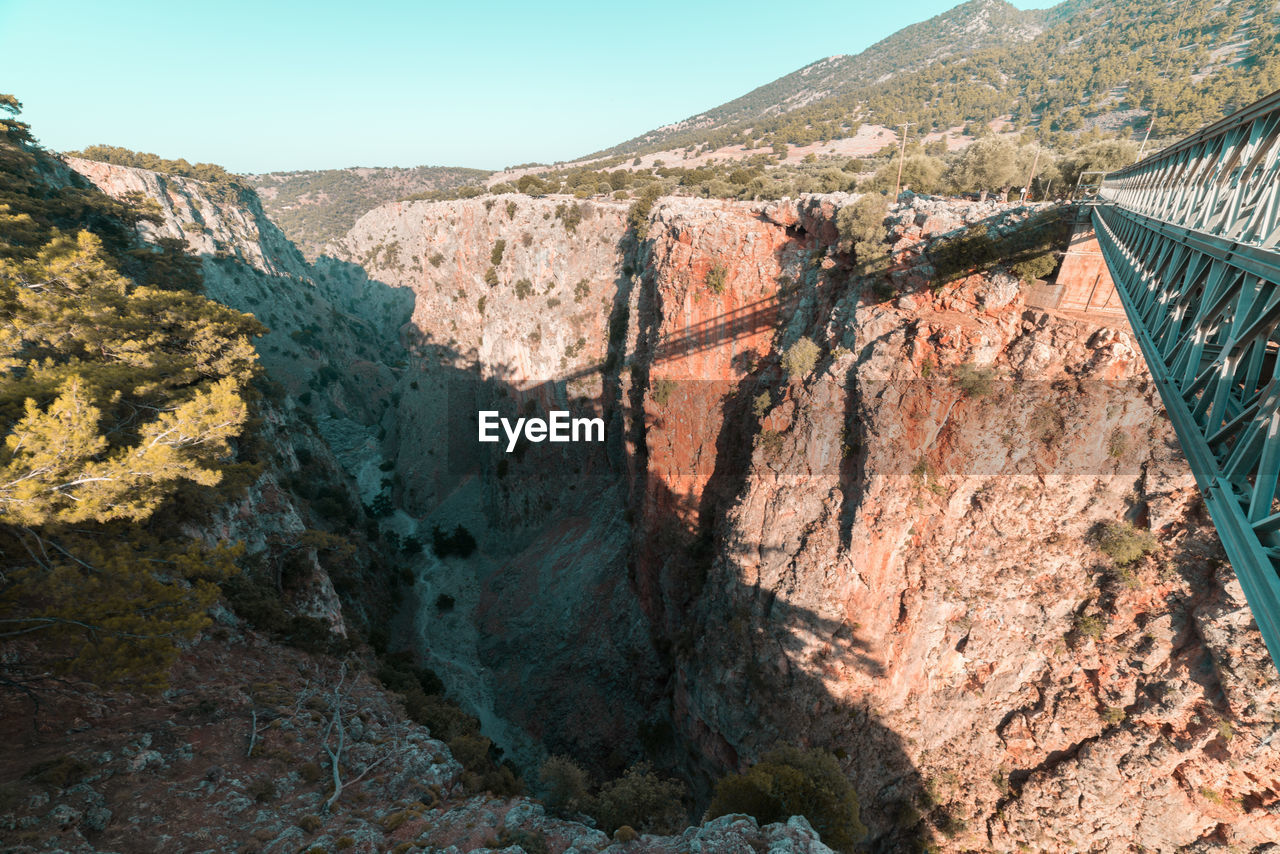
(862, 232)
(642, 800)
(459, 542)
(800, 358)
(565, 785)
(638, 213)
(1124, 543)
(972, 380)
(1031, 249)
(483, 770)
(789, 781)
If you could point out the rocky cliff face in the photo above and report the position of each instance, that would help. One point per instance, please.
(893, 554)
(904, 567)
(880, 557)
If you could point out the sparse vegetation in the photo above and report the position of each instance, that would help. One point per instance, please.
(1124, 543)
(1113, 714)
(790, 781)
(716, 279)
(1030, 250)
(973, 381)
(662, 389)
(642, 800)
(1089, 626)
(458, 542)
(800, 358)
(570, 214)
(762, 404)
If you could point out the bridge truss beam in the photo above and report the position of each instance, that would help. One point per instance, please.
(1206, 313)
(1192, 238)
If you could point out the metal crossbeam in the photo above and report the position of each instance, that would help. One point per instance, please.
(1192, 238)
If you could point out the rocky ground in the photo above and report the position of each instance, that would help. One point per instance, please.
(233, 759)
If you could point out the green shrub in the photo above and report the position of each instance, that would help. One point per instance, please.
(972, 380)
(1124, 543)
(800, 359)
(862, 232)
(1030, 249)
(569, 213)
(436, 259)
(638, 213)
(1089, 626)
(1113, 714)
(761, 405)
(565, 785)
(491, 277)
(642, 800)
(789, 781)
(716, 279)
(524, 289)
(495, 254)
(481, 772)
(662, 390)
(310, 823)
(530, 841)
(459, 542)
(1035, 267)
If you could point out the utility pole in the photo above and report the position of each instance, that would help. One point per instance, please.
(897, 187)
(1147, 135)
(1035, 161)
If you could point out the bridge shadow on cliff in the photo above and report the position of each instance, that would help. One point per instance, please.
(764, 658)
(745, 665)
(743, 322)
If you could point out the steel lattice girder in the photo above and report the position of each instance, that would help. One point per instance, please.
(1206, 313)
(1223, 181)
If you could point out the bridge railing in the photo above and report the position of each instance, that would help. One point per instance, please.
(1223, 180)
(1190, 236)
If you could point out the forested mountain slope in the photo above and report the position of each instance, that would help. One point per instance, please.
(1078, 63)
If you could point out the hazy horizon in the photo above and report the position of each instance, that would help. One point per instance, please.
(261, 88)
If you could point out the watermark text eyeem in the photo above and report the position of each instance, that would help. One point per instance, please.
(558, 426)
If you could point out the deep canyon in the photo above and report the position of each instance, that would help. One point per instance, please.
(862, 556)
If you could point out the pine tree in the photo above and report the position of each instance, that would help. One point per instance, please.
(116, 398)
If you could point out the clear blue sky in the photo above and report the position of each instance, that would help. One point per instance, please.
(265, 85)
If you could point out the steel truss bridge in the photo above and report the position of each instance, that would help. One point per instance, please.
(1191, 236)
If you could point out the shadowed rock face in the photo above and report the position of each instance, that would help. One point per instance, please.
(874, 560)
